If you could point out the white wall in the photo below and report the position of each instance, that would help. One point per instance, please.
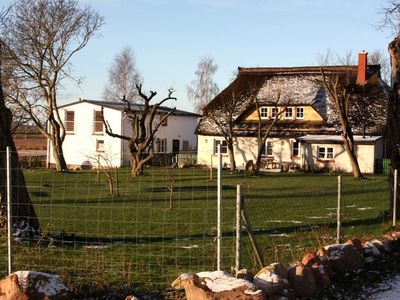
(180, 128)
(80, 148)
(365, 155)
(245, 149)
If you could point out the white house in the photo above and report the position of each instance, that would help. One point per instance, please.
(307, 134)
(86, 139)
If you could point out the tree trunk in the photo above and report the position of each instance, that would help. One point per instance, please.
(136, 165)
(58, 154)
(393, 118)
(23, 213)
(349, 147)
(231, 156)
(392, 133)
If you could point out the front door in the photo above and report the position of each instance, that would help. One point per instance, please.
(175, 146)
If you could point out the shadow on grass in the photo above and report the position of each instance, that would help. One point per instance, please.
(64, 239)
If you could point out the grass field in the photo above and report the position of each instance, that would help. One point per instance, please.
(133, 238)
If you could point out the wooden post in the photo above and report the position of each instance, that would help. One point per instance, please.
(211, 168)
(339, 210)
(9, 210)
(238, 226)
(219, 208)
(395, 182)
(252, 236)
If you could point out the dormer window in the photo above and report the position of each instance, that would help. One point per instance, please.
(289, 113)
(264, 112)
(299, 112)
(274, 112)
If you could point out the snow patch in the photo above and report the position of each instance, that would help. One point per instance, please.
(219, 281)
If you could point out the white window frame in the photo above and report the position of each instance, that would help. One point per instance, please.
(289, 113)
(298, 149)
(263, 111)
(161, 145)
(268, 148)
(299, 112)
(97, 122)
(274, 112)
(100, 147)
(66, 122)
(328, 153)
(224, 146)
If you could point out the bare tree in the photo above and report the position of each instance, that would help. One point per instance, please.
(122, 77)
(338, 88)
(203, 89)
(144, 125)
(223, 118)
(377, 57)
(390, 12)
(264, 128)
(22, 210)
(52, 32)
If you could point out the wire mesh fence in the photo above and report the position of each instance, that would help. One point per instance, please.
(146, 230)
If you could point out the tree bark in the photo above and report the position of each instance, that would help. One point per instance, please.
(58, 154)
(23, 213)
(231, 155)
(393, 117)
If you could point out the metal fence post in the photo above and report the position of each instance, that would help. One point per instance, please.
(9, 216)
(219, 207)
(339, 210)
(394, 198)
(238, 226)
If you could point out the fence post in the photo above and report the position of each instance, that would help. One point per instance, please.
(394, 198)
(339, 210)
(9, 216)
(238, 226)
(219, 207)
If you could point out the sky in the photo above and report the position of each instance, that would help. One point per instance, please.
(169, 37)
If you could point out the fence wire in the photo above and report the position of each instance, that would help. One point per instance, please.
(104, 229)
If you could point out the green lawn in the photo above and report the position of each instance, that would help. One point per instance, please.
(134, 238)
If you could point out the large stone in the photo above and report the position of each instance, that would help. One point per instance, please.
(302, 280)
(245, 274)
(278, 269)
(38, 286)
(216, 285)
(319, 269)
(371, 252)
(10, 289)
(343, 257)
(271, 283)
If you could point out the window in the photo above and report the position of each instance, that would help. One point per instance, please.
(161, 145)
(325, 153)
(289, 113)
(296, 149)
(299, 112)
(263, 112)
(97, 122)
(99, 145)
(268, 149)
(185, 146)
(224, 146)
(274, 112)
(70, 121)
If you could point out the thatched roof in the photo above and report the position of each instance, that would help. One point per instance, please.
(298, 86)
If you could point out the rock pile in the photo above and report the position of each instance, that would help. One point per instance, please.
(302, 279)
(26, 285)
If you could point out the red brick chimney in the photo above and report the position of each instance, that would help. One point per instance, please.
(362, 68)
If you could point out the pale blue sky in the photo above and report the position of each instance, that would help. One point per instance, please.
(170, 36)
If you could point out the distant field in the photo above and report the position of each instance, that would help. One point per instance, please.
(135, 235)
